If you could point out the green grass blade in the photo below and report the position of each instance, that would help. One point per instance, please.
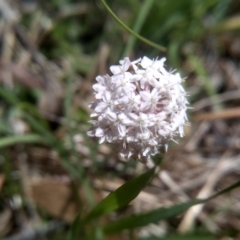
(122, 196)
(74, 230)
(156, 215)
(23, 138)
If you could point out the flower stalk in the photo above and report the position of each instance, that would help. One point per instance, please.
(150, 43)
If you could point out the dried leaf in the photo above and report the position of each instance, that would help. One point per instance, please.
(56, 197)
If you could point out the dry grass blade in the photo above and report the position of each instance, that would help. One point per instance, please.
(223, 167)
(2, 179)
(223, 114)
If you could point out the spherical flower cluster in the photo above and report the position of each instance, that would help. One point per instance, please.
(141, 107)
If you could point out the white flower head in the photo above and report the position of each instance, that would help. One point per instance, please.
(140, 108)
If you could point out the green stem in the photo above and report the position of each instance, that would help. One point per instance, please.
(146, 7)
(159, 47)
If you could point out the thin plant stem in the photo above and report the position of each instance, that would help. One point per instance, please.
(146, 7)
(150, 43)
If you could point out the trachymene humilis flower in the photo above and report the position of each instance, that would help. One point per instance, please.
(139, 108)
